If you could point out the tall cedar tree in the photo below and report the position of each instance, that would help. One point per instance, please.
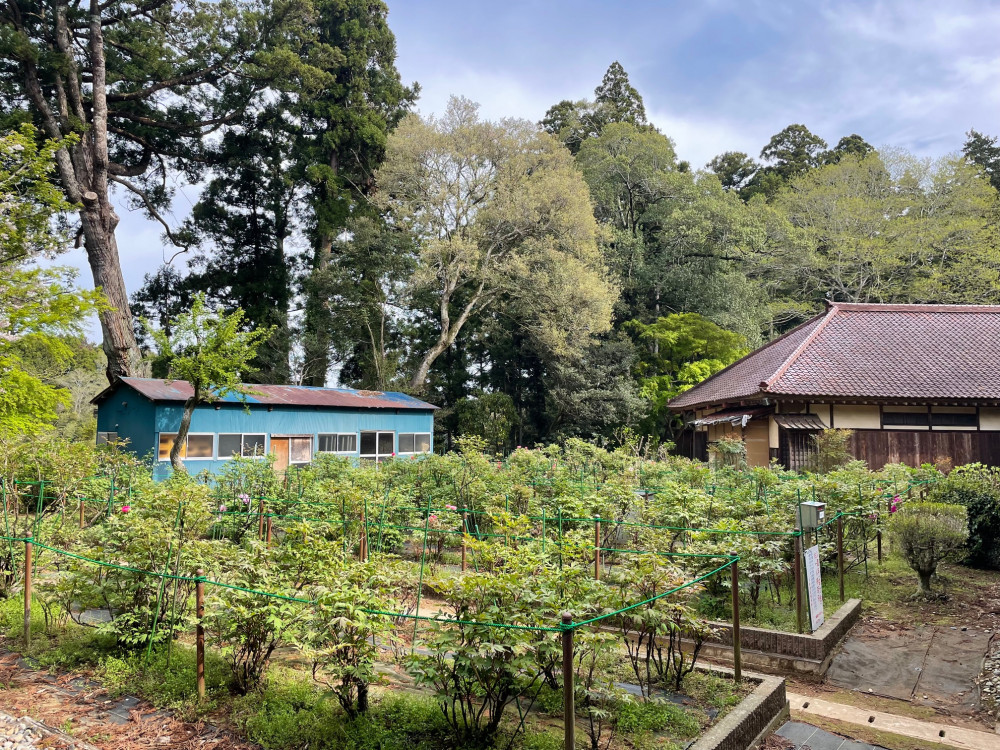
(142, 82)
(342, 143)
(242, 221)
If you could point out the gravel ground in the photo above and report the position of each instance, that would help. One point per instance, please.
(19, 734)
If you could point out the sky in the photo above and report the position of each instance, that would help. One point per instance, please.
(716, 75)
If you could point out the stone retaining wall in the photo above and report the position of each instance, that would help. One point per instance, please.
(753, 720)
(787, 652)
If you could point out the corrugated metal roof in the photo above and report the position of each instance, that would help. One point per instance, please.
(799, 421)
(156, 389)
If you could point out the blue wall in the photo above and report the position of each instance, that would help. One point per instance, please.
(141, 421)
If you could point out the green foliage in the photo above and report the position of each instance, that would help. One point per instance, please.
(832, 449)
(928, 534)
(676, 352)
(976, 487)
(29, 200)
(489, 415)
(212, 351)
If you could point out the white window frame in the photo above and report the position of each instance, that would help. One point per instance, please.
(399, 442)
(338, 435)
(312, 449)
(267, 444)
(215, 446)
(376, 456)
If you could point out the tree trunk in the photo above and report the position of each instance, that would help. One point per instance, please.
(120, 346)
(362, 697)
(925, 581)
(182, 433)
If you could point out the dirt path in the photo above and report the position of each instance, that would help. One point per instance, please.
(85, 714)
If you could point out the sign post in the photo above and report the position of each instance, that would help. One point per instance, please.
(814, 584)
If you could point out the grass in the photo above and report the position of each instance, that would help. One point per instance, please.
(290, 712)
(885, 591)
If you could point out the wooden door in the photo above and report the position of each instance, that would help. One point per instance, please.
(279, 447)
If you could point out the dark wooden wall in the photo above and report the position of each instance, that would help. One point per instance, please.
(915, 447)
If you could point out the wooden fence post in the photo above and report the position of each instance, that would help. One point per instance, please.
(737, 655)
(597, 548)
(465, 525)
(569, 699)
(199, 610)
(799, 608)
(270, 530)
(840, 555)
(81, 513)
(27, 593)
(878, 541)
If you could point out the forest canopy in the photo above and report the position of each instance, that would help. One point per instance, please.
(536, 281)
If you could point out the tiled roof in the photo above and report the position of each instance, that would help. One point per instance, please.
(278, 395)
(866, 351)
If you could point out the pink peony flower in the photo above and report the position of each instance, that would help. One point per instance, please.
(245, 499)
(222, 509)
(126, 508)
(434, 517)
(451, 507)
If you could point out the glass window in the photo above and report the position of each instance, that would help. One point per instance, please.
(377, 445)
(236, 444)
(300, 450)
(368, 443)
(103, 438)
(230, 445)
(905, 418)
(253, 445)
(385, 443)
(955, 420)
(340, 443)
(167, 444)
(414, 442)
(200, 446)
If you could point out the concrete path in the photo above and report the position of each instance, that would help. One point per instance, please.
(945, 734)
(807, 737)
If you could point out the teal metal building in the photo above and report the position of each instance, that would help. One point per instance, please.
(294, 423)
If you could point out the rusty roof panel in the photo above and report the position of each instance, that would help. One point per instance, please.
(281, 395)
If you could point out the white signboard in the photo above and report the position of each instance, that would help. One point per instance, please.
(815, 585)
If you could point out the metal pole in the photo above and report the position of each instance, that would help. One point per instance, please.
(737, 656)
(878, 539)
(465, 525)
(569, 699)
(199, 609)
(840, 555)
(597, 548)
(362, 545)
(260, 519)
(27, 593)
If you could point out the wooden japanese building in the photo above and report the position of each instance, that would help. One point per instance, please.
(915, 383)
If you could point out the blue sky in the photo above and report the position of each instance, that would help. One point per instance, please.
(716, 75)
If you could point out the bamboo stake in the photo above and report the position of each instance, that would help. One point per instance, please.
(81, 513)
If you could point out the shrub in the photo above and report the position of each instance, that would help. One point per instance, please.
(832, 449)
(977, 487)
(929, 534)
